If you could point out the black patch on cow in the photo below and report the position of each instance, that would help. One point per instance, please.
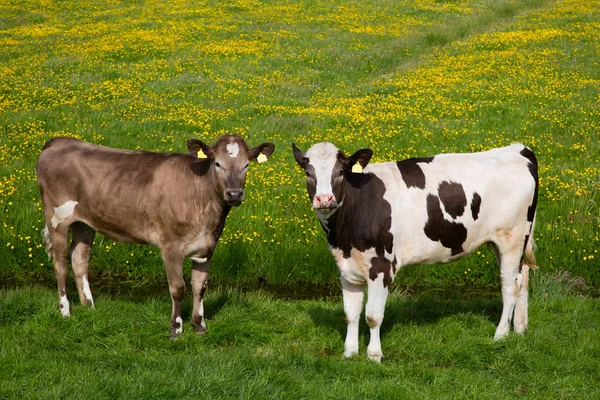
(533, 169)
(453, 198)
(451, 234)
(365, 218)
(475, 206)
(411, 172)
(384, 266)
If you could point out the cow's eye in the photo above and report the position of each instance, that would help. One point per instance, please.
(246, 166)
(308, 175)
(218, 165)
(340, 172)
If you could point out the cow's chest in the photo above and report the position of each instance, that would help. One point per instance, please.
(201, 246)
(358, 267)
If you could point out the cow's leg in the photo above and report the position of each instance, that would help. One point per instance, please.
(81, 246)
(353, 305)
(199, 277)
(174, 265)
(520, 319)
(512, 280)
(377, 297)
(58, 238)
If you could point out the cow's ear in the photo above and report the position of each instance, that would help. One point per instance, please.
(359, 160)
(199, 149)
(301, 159)
(261, 152)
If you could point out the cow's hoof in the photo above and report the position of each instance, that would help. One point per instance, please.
(375, 356)
(350, 352)
(501, 334)
(200, 330)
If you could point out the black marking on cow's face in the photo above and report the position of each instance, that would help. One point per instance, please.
(411, 172)
(453, 197)
(385, 266)
(365, 218)
(475, 206)
(451, 234)
(533, 169)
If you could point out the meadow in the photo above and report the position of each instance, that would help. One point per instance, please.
(404, 78)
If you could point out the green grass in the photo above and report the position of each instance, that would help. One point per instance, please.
(404, 78)
(259, 346)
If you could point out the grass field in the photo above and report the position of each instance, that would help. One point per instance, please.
(260, 347)
(406, 78)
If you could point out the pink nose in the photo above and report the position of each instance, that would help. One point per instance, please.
(325, 201)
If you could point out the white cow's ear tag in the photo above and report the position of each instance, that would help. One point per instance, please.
(357, 168)
(201, 154)
(261, 158)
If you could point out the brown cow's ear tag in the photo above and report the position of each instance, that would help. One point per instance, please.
(201, 154)
(357, 168)
(261, 158)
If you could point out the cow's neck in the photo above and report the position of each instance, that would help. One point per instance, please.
(210, 209)
(363, 212)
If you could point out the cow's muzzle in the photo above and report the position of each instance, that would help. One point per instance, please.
(234, 197)
(324, 202)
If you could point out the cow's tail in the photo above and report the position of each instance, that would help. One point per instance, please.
(528, 258)
(528, 254)
(47, 241)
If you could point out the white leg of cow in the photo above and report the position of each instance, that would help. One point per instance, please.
(377, 297)
(174, 266)
(511, 285)
(199, 277)
(81, 246)
(353, 305)
(520, 319)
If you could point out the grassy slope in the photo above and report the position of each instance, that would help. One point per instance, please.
(261, 347)
(405, 78)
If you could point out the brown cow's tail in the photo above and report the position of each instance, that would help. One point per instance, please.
(47, 241)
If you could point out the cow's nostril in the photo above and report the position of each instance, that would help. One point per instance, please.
(234, 194)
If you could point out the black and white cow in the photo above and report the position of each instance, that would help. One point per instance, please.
(384, 216)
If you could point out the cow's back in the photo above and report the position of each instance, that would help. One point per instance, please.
(461, 200)
(123, 194)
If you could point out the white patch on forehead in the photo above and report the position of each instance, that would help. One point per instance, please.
(322, 157)
(63, 212)
(233, 149)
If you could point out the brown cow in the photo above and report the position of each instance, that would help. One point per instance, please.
(175, 201)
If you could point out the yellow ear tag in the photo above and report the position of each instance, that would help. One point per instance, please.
(201, 154)
(357, 168)
(261, 158)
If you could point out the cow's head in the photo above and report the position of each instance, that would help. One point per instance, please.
(327, 170)
(229, 158)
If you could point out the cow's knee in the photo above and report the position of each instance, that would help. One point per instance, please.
(177, 290)
(374, 320)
